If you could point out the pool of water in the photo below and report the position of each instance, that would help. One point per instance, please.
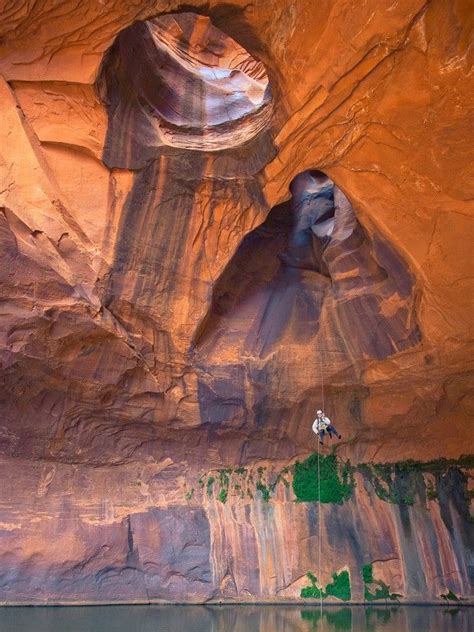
(271, 618)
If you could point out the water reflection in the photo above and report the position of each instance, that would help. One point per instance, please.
(336, 619)
(237, 619)
(388, 619)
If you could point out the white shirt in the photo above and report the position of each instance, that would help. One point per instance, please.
(320, 423)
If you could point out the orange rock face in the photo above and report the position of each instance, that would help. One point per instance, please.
(212, 224)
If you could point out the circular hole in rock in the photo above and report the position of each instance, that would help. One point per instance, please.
(180, 81)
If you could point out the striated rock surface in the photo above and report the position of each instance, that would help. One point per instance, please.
(213, 222)
(177, 80)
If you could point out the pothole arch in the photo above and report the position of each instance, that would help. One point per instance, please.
(311, 264)
(181, 82)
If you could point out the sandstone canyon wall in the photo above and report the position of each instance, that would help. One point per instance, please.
(215, 219)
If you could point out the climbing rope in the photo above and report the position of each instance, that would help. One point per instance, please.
(319, 483)
(319, 540)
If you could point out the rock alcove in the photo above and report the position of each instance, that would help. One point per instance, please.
(184, 83)
(311, 284)
(313, 250)
(166, 314)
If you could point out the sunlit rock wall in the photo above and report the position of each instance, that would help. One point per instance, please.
(213, 224)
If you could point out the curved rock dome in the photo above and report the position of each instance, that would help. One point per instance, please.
(186, 84)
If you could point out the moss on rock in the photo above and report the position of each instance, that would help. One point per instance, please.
(328, 483)
(340, 587)
(376, 589)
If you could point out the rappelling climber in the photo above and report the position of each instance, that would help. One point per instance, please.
(321, 425)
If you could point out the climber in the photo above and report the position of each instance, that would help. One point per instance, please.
(321, 425)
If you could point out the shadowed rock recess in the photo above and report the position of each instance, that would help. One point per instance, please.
(214, 221)
(177, 80)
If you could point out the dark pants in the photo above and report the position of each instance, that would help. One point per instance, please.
(330, 430)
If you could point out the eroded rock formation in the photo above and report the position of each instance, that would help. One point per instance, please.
(177, 80)
(212, 220)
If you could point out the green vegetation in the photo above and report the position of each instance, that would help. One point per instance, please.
(245, 484)
(263, 489)
(222, 495)
(261, 486)
(382, 592)
(400, 483)
(209, 485)
(312, 592)
(340, 587)
(224, 480)
(281, 478)
(189, 494)
(376, 589)
(392, 482)
(450, 596)
(367, 573)
(339, 619)
(335, 482)
(241, 472)
(431, 492)
(439, 466)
